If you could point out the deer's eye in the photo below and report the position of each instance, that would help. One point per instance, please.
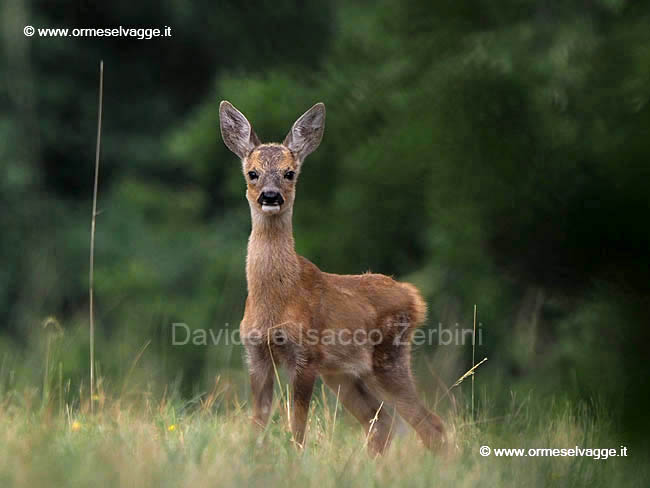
(252, 175)
(290, 175)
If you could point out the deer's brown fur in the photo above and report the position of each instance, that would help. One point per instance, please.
(306, 319)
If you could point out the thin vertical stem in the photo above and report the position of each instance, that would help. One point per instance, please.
(46, 375)
(60, 388)
(92, 236)
(336, 408)
(473, 356)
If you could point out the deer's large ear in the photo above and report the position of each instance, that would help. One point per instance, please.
(236, 130)
(307, 132)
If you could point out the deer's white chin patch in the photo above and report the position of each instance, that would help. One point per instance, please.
(270, 209)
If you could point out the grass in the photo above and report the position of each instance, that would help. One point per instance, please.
(140, 434)
(134, 440)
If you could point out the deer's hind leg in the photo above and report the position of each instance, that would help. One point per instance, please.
(392, 378)
(360, 402)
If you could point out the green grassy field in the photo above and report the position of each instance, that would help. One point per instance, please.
(134, 439)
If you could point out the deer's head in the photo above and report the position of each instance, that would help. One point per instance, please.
(271, 170)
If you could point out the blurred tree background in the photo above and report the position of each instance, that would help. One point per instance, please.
(491, 153)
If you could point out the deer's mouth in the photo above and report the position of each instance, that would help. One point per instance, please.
(270, 201)
(271, 209)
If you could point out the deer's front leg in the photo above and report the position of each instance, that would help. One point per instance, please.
(302, 384)
(260, 369)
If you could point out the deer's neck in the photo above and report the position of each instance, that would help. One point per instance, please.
(272, 266)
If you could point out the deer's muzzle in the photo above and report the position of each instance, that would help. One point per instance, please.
(270, 201)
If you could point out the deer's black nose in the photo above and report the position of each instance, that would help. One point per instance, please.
(270, 198)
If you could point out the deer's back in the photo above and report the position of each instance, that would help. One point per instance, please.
(358, 301)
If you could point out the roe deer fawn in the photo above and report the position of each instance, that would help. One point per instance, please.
(352, 330)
